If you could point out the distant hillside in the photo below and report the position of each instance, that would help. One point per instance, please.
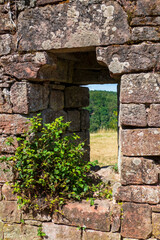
(103, 110)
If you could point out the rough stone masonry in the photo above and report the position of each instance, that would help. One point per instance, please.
(48, 49)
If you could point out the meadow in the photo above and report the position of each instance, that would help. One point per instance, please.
(104, 147)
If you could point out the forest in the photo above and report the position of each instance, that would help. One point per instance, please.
(103, 110)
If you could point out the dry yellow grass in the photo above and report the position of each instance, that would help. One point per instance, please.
(104, 147)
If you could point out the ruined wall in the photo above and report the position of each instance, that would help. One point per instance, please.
(48, 48)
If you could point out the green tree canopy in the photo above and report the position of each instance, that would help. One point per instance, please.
(103, 110)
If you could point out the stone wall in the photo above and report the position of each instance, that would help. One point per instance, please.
(48, 49)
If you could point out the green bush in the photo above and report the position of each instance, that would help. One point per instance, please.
(48, 166)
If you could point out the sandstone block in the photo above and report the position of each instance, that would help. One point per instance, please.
(138, 171)
(33, 222)
(6, 25)
(27, 66)
(56, 100)
(37, 216)
(127, 59)
(146, 34)
(58, 87)
(110, 26)
(30, 232)
(38, 97)
(140, 88)
(5, 104)
(9, 212)
(18, 232)
(59, 232)
(144, 8)
(156, 224)
(156, 208)
(138, 194)
(85, 119)
(18, 97)
(61, 71)
(108, 175)
(153, 115)
(97, 235)
(5, 44)
(143, 20)
(133, 115)
(12, 124)
(49, 115)
(76, 97)
(7, 193)
(115, 218)
(74, 118)
(28, 97)
(12, 231)
(4, 148)
(141, 142)
(82, 214)
(136, 221)
(90, 76)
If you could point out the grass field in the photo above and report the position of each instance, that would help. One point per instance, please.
(104, 147)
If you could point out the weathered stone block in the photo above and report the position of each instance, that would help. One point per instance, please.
(110, 26)
(139, 194)
(38, 216)
(12, 231)
(30, 232)
(28, 97)
(56, 100)
(74, 118)
(76, 97)
(18, 232)
(140, 88)
(127, 59)
(153, 115)
(59, 72)
(138, 171)
(141, 142)
(58, 87)
(97, 235)
(33, 222)
(27, 66)
(85, 119)
(5, 104)
(9, 212)
(18, 97)
(38, 97)
(143, 20)
(146, 33)
(133, 115)
(5, 44)
(156, 224)
(12, 124)
(82, 214)
(4, 148)
(115, 217)
(59, 232)
(146, 7)
(7, 193)
(6, 24)
(49, 115)
(136, 221)
(156, 208)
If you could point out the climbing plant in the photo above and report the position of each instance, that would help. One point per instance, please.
(48, 166)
